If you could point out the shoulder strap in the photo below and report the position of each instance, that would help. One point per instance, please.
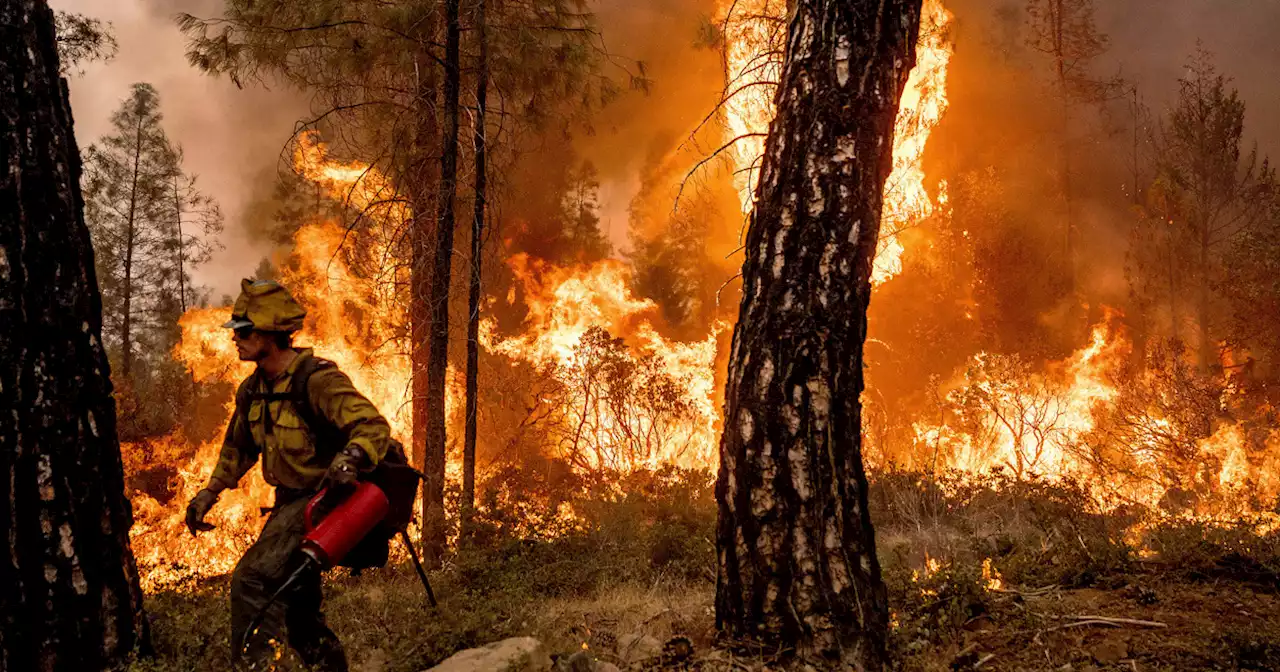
(299, 392)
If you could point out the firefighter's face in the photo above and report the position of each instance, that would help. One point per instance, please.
(251, 345)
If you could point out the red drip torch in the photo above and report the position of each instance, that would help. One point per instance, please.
(327, 543)
(344, 527)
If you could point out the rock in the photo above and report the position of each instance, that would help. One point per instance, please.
(606, 667)
(580, 661)
(1110, 651)
(635, 648)
(678, 649)
(517, 654)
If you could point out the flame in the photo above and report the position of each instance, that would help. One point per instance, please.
(350, 320)
(754, 31)
(1043, 424)
(655, 405)
(991, 576)
(354, 318)
(573, 312)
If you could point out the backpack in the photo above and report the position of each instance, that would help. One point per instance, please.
(393, 474)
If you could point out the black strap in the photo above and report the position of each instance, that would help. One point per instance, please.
(297, 393)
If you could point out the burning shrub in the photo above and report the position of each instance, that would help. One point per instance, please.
(937, 600)
(607, 407)
(1011, 415)
(1041, 531)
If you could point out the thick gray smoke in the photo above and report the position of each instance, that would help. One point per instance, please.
(231, 137)
(1151, 41)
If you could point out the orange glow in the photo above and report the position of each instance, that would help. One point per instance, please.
(753, 28)
(355, 318)
(609, 390)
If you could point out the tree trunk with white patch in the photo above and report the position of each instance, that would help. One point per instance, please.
(69, 596)
(796, 550)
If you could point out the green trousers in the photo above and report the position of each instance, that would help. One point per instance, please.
(262, 570)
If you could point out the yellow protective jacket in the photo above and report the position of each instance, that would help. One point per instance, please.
(291, 457)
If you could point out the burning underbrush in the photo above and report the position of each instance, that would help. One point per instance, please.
(1140, 433)
(987, 564)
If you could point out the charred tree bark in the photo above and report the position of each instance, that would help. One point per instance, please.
(433, 538)
(477, 249)
(423, 175)
(70, 598)
(796, 550)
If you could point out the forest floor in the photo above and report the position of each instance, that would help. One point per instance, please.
(982, 576)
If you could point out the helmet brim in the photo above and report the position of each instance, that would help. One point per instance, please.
(235, 323)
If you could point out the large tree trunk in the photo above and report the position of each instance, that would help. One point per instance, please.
(70, 598)
(477, 248)
(796, 551)
(433, 538)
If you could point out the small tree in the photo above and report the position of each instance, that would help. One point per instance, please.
(1005, 404)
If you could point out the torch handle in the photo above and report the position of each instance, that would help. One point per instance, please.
(422, 573)
(311, 505)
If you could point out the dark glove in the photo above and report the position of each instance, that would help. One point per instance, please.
(344, 469)
(198, 508)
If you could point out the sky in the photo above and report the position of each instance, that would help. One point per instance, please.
(232, 137)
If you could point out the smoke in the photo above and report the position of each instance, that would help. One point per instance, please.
(1151, 41)
(231, 137)
(634, 136)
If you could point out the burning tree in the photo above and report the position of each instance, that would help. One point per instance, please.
(797, 562)
(71, 599)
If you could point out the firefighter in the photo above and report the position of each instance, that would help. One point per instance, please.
(299, 457)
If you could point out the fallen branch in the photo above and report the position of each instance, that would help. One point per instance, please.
(1125, 621)
(1035, 592)
(1107, 621)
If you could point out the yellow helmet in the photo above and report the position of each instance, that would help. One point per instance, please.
(265, 305)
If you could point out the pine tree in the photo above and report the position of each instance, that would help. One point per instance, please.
(479, 202)
(70, 598)
(150, 227)
(81, 40)
(796, 550)
(1207, 193)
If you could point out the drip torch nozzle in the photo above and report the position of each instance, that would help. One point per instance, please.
(309, 561)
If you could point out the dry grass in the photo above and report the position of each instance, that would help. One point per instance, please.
(639, 565)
